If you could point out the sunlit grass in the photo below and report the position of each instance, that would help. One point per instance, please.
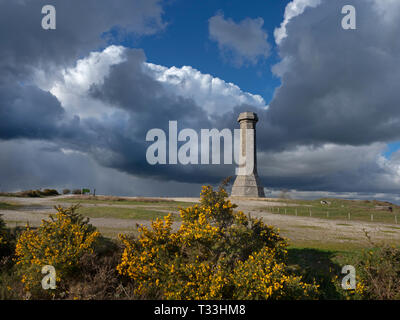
(357, 210)
(9, 206)
(122, 213)
(168, 204)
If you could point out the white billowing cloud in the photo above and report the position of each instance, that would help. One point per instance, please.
(293, 9)
(246, 41)
(210, 93)
(391, 166)
(93, 69)
(72, 90)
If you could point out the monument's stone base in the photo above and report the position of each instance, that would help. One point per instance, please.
(248, 186)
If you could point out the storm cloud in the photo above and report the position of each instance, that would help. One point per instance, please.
(338, 86)
(69, 99)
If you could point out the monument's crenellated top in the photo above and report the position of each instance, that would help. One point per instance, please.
(248, 116)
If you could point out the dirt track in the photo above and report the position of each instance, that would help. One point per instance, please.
(298, 229)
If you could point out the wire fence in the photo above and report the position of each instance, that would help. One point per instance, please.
(336, 214)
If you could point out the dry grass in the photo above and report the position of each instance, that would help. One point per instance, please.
(114, 198)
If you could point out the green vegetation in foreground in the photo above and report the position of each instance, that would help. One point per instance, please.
(122, 213)
(322, 265)
(338, 209)
(330, 245)
(323, 261)
(9, 206)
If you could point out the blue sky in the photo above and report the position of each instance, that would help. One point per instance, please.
(333, 98)
(392, 147)
(186, 41)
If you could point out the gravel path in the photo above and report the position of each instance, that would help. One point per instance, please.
(303, 229)
(322, 230)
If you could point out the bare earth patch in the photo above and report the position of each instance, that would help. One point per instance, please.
(315, 232)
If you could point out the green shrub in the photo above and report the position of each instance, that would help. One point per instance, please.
(31, 193)
(38, 193)
(379, 272)
(99, 279)
(60, 242)
(217, 253)
(10, 286)
(49, 192)
(77, 191)
(8, 239)
(4, 238)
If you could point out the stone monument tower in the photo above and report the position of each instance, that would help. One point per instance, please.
(247, 183)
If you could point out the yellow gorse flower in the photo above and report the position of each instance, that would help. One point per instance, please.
(210, 256)
(59, 242)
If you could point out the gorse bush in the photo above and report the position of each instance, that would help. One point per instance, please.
(216, 253)
(379, 272)
(4, 238)
(38, 193)
(49, 192)
(59, 242)
(10, 286)
(8, 238)
(3, 231)
(262, 276)
(99, 279)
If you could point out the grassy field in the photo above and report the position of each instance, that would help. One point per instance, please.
(113, 207)
(9, 206)
(322, 265)
(317, 250)
(162, 203)
(337, 209)
(122, 213)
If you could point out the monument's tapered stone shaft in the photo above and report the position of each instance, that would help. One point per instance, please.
(247, 183)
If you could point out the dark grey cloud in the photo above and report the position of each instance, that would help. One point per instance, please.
(149, 106)
(27, 164)
(25, 110)
(338, 86)
(332, 168)
(82, 26)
